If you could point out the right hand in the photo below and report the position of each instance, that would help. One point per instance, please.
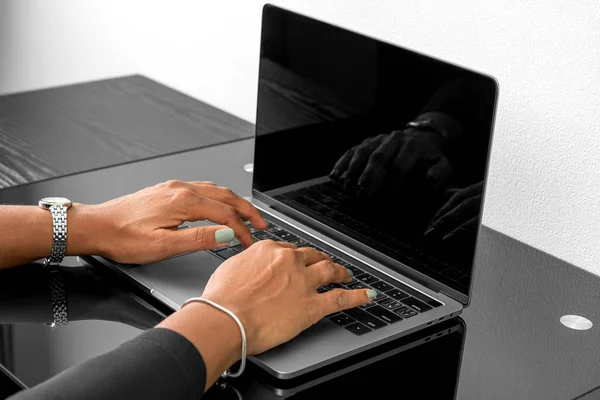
(272, 288)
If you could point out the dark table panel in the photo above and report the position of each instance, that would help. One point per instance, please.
(69, 129)
(514, 345)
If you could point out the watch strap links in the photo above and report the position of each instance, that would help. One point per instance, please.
(59, 299)
(59, 235)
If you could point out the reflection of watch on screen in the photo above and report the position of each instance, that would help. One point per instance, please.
(58, 207)
(446, 126)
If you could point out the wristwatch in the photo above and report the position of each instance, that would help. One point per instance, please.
(58, 207)
(447, 127)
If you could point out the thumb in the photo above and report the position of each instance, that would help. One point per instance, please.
(199, 238)
(440, 171)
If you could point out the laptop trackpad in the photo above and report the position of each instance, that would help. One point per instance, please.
(178, 278)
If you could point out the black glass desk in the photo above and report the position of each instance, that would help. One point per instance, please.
(508, 344)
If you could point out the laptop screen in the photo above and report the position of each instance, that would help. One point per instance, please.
(387, 146)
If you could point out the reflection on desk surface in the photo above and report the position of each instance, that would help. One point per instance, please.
(422, 365)
(415, 361)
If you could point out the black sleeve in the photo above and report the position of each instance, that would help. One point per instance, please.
(158, 364)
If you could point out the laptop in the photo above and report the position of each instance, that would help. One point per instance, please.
(373, 153)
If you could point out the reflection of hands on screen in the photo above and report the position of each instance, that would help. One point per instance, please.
(389, 161)
(456, 220)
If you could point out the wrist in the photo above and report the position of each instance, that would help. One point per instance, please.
(444, 126)
(86, 230)
(214, 333)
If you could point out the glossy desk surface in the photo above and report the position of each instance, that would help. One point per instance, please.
(508, 344)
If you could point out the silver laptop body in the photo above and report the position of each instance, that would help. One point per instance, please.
(175, 280)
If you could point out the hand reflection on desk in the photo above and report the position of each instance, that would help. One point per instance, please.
(25, 298)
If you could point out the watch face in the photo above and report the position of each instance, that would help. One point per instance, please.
(47, 202)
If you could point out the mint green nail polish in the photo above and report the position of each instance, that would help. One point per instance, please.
(224, 235)
(371, 293)
(350, 273)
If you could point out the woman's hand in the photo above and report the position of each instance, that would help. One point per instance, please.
(390, 160)
(272, 288)
(275, 292)
(142, 227)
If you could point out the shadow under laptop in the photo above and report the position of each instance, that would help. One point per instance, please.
(423, 365)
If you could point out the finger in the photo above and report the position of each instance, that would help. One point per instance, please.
(360, 159)
(463, 233)
(196, 239)
(309, 256)
(439, 172)
(340, 299)
(225, 195)
(215, 211)
(372, 177)
(326, 271)
(457, 198)
(466, 210)
(342, 164)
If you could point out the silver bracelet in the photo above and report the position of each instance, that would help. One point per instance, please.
(227, 373)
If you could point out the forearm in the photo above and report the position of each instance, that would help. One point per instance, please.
(158, 364)
(26, 233)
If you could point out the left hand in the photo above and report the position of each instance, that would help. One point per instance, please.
(142, 227)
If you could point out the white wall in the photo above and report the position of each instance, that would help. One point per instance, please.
(545, 171)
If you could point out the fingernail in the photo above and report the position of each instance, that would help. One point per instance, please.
(371, 293)
(428, 231)
(224, 235)
(350, 273)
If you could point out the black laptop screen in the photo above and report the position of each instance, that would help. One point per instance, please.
(386, 146)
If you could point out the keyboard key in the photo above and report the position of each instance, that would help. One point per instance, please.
(405, 312)
(365, 318)
(396, 294)
(285, 235)
(358, 329)
(366, 278)
(381, 286)
(226, 253)
(263, 235)
(274, 228)
(389, 304)
(370, 304)
(380, 296)
(234, 243)
(384, 314)
(357, 285)
(354, 269)
(298, 242)
(415, 304)
(342, 319)
(238, 249)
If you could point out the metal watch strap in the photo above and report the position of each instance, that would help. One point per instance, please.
(59, 299)
(59, 235)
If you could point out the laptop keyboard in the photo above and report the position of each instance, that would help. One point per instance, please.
(393, 303)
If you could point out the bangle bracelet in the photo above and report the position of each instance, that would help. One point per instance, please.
(227, 373)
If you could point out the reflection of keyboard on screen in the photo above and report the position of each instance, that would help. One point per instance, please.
(394, 302)
(327, 202)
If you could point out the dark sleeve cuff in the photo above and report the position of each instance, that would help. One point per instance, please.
(158, 364)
